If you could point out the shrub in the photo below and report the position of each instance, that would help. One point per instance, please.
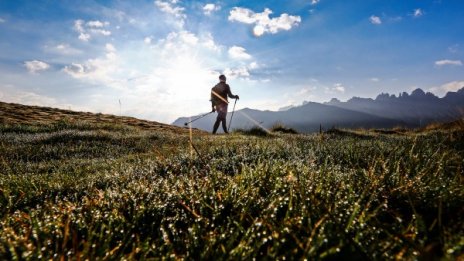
(255, 131)
(283, 129)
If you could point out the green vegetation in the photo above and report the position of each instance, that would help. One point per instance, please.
(254, 131)
(279, 127)
(90, 191)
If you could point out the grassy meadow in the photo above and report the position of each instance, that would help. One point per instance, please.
(81, 189)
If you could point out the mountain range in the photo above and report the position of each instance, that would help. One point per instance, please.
(385, 111)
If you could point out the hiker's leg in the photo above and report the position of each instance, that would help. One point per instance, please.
(224, 125)
(216, 125)
(222, 114)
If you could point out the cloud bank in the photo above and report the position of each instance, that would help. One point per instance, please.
(36, 66)
(91, 28)
(448, 62)
(375, 20)
(208, 9)
(262, 22)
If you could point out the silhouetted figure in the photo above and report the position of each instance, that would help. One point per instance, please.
(219, 94)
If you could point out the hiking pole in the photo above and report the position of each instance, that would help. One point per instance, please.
(185, 124)
(231, 116)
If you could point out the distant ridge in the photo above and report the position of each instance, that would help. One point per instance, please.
(385, 111)
(416, 109)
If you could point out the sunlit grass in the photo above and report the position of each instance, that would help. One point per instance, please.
(109, 191)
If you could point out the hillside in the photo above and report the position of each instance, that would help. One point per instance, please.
(13, 114)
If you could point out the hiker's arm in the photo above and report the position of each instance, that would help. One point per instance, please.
(229, 93)
(212, 102)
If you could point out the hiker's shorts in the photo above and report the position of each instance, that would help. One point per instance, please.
(222, 111)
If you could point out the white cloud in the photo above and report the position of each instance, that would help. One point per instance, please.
(447, 87)
(297, 95)
(243, 72)
(305, 91)
(238, 53)
(418, 12)
(209, 8)
(78, 26)
(374, 79)
(101, 31)
(452, 86)
(2, 20)
(84, 37)
(97, 24)
(110, 48)
(99, 70)
(36, 66)
(13, 95)
(75, 69)
(62, 48)
(170, 7)
(188, 38)
(177, 42)
(448, 62)
(253, 66)
(233, 73)
(375, 20)
(147, 40)
(315, 2)
(243, 15)
(262, 22)
(339, 88)
(86, 30)
(208, 42)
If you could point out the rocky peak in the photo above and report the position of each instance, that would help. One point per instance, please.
(418, 93)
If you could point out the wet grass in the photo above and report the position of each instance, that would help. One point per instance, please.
(103, 191)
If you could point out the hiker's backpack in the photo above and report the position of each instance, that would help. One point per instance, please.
(219, 89)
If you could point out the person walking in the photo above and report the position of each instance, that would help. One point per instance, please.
(219, 102)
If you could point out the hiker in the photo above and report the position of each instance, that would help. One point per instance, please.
(219, 102)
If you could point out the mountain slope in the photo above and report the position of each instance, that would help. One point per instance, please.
(386, 111)
(306, 118)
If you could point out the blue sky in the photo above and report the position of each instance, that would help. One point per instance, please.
(158, 59)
